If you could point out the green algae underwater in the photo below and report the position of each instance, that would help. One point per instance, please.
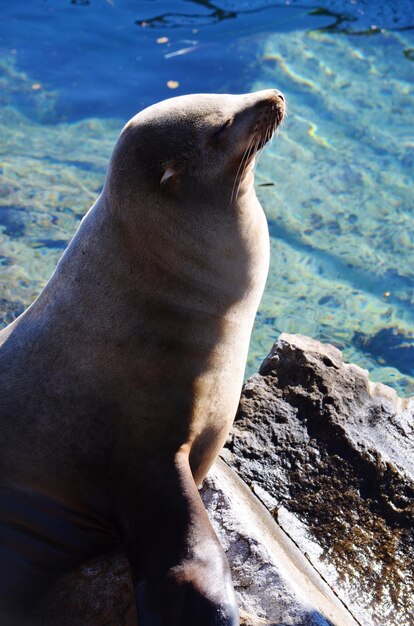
(336, 186)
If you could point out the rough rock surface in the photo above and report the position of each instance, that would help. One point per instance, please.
(331, 456)
(275, 584)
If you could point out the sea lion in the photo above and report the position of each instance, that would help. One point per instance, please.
(119, 384)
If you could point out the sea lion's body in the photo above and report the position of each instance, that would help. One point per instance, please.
(118, 386)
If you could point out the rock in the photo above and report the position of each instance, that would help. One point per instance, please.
(331, 456)
(274, 582)
(97, 594)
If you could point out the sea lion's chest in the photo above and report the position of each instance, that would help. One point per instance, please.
(212, 264)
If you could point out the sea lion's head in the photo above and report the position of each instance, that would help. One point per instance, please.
(195, 145)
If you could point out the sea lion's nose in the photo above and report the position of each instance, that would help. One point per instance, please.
(271, 93)
(270, 97)
(279, 94)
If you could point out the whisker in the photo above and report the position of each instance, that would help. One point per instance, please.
(274, 130)
(252, 150)
(246, 160)
(241, 163)
(255, 146)
(240, 168)
(257, 159)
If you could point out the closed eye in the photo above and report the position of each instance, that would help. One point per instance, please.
(218, 133)
(226, 124)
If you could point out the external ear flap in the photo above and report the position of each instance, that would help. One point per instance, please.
(170, 171)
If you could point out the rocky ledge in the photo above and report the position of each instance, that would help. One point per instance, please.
(330, 456)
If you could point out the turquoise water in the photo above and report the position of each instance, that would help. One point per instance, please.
(336, 184)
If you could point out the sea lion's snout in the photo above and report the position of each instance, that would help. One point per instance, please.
(275, 99)
(257, 119)
(279, 105)
(271, 109)
(263, 113)
(279, 94)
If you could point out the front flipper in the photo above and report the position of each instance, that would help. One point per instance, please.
(181, 574)
(183, 604)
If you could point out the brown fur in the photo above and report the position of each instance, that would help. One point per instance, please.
(120, 383)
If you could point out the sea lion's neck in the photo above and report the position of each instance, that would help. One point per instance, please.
(208, 252)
